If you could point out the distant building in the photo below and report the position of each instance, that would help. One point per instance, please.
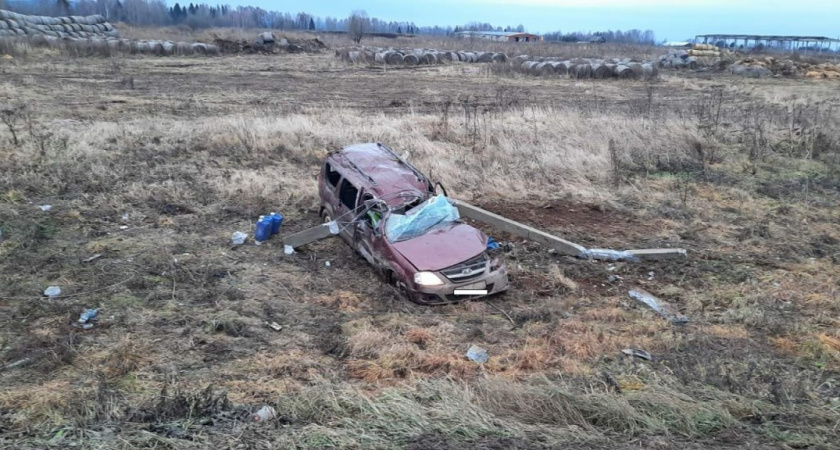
(504, 36)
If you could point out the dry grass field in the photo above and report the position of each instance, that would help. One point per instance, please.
(152, 163)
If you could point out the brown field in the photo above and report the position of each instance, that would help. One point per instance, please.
(743, 173)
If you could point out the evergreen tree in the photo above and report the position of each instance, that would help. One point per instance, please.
(312, 24)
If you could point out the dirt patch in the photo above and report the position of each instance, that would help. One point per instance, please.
(586, 224)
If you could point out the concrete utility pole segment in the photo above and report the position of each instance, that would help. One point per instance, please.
(561, 245)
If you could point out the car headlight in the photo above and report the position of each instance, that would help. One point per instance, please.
(427, 279)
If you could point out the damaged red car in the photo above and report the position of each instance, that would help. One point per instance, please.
(393, 216)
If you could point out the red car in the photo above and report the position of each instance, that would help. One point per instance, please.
(390, 213)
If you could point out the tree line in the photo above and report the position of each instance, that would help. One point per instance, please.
(203, 15)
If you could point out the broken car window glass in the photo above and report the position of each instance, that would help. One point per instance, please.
(432, 214)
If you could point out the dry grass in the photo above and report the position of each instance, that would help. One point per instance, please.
(197, 148)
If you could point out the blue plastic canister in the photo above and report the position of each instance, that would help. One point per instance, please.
(276, 221)
(263, 229)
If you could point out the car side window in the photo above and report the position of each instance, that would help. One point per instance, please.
(348, 194)
(332, 175)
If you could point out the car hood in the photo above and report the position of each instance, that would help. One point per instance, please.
(443, 247)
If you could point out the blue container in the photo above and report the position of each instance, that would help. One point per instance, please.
(263, 229)
(276, 221)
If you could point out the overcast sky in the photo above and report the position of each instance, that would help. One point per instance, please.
(672, 20)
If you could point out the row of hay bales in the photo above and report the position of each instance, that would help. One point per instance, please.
(586, 68)
(18, 25)
(115, 45)
(760, 67)
(413, 57)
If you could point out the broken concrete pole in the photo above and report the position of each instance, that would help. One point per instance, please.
(561, 245)
(310, 235)
(659, 254)
(495, 220)
(660, 307)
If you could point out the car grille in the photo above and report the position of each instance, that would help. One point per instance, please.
(467, 270)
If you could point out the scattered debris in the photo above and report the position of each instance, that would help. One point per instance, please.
(614, 278)
(265, 413)
(92, 258)
(52, 291)
(611, 382)
(125, 217)
(123, 227)
(637, 353)
(238, 238)
(663, 309)
(477, 354)
(650, 276)
(274, 326)
(327, 263)
(45, 207)
(491, 243)
(88, 316)
(288, 250)
(17, 363)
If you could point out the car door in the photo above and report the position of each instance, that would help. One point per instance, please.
(348, 197)
(364, 231)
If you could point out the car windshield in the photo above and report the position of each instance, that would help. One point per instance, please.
(432, 214)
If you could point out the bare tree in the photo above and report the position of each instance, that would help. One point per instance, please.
(357, 25)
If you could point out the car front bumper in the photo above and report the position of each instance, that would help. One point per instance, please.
(495, 282)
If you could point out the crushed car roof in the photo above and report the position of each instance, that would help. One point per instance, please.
(375, 168)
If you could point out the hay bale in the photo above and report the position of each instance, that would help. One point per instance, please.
(354, 57)
(544, 69)
(601, 71)
(529, 66)
(499, 58)
(622, 71)
(4, 25)
(428, 58)
(168, 48)
(649, 71)
(394, 58)
(183, 48)
(560, 69)
(583, 70)
(691, 63)
(485, 57)
(200, 48)
(411, 59)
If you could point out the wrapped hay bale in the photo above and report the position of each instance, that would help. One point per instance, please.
(168, 48)
(411, 59)
(353, 56)
(4, 25)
